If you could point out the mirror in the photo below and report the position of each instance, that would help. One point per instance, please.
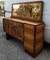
(28, 10)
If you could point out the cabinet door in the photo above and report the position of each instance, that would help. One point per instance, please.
(16, 30)
(29, 38)
(19, 30)
(5, 25)
(39, 38)
(12, 28)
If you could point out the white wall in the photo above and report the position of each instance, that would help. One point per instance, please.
(46, 19)
(46, 14)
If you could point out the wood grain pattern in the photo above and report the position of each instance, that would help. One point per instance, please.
(39, 38)
(32, 43)
(12, 30)
(19, 30)
(29, 37)
(16, 30)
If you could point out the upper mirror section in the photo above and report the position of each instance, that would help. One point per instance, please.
(29, 10)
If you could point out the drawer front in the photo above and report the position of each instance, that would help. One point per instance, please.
(5, 25)
(29, 37)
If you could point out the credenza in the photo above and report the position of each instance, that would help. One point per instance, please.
(26, 25)
(31, 33)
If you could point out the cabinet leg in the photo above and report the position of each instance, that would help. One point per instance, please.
(8, 36)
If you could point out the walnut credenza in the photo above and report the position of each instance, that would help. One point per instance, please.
(31, 33)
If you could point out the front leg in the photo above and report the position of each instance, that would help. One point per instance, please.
(8, 36)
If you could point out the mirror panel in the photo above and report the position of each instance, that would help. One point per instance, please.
(29, 10)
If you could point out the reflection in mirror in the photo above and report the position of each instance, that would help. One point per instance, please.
(15, 7)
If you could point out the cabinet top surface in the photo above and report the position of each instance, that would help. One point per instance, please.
(21, 21)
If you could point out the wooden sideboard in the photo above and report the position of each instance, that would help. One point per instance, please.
(26, 25)
(31, 33)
